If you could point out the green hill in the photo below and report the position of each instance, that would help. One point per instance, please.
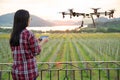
(104, 25)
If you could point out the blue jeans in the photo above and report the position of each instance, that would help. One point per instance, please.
(35, 79)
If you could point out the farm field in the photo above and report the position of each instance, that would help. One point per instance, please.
(71, 47)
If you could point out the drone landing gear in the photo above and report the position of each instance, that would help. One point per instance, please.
(82, 23)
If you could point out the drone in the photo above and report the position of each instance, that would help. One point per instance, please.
(89, 15)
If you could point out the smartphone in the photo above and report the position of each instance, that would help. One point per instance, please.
(43, 37)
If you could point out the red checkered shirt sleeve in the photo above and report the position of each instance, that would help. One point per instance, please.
(34, 45)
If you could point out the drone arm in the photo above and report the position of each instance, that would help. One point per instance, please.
(63, 13)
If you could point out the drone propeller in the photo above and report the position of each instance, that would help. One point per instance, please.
(112, 10)
(111, 13)
(63, 14)
(95, 10)
(71, 10)
(71, 13)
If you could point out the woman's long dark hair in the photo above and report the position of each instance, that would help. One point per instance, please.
(21, 19)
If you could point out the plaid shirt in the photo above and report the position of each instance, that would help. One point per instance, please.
(24, 65)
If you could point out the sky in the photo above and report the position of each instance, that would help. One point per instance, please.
(49, 9)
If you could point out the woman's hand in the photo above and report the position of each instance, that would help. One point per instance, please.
(42, 42)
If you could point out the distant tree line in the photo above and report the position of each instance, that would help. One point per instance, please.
(84, 30)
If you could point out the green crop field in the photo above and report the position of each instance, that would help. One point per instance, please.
(69, 47)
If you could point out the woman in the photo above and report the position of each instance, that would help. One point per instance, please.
(24, 47)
